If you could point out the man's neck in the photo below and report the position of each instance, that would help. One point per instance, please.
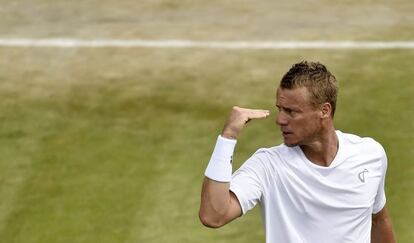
(323, 150)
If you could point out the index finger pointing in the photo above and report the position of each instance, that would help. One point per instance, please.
(255, 113)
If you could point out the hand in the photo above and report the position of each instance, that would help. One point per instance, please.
(238, 119)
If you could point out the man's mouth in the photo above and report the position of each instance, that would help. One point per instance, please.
(285, 133)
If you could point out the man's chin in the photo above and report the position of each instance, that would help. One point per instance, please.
(290, 144)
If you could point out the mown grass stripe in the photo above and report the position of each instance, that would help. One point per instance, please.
(113, 43)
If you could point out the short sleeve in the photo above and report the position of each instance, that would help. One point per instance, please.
(380, 198)
(246, 182)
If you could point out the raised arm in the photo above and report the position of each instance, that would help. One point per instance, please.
(218, 204)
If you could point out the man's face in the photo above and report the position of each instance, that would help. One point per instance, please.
(298, 119)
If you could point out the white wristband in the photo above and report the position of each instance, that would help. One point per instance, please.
(220, 166)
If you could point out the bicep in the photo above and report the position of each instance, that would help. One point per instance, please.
(245, 193)
(246, 188)
(235, 210)
(381, 230)
(380, 216)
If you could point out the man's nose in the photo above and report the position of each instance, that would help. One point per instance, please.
(281, 119)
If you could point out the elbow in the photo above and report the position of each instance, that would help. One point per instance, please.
(209, 221)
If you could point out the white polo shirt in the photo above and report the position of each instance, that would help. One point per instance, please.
(304, 202)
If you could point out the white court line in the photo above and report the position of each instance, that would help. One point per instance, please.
(102, 43)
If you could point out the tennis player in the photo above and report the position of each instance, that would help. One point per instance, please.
(320, 186)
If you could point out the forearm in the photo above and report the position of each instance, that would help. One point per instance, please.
(215, 194)
(218, 205)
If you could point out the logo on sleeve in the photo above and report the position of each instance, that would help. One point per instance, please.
(361, 175)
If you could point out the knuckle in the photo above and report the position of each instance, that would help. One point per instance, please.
(237, 111)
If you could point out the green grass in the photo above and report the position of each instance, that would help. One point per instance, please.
(205, 20)
(110, 145)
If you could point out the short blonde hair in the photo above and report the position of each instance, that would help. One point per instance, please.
(321, 84)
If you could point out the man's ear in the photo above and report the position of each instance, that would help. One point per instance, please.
(326, 110)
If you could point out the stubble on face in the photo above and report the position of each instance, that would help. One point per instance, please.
(297, 117)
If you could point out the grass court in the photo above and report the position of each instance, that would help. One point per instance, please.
(110, 144)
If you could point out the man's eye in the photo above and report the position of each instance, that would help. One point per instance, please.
(290, 112)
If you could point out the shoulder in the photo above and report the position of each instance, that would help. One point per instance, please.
(367, 144)
(273, 153)
(270, 158)
(264, 164)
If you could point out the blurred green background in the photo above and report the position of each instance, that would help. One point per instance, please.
(110, 144)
